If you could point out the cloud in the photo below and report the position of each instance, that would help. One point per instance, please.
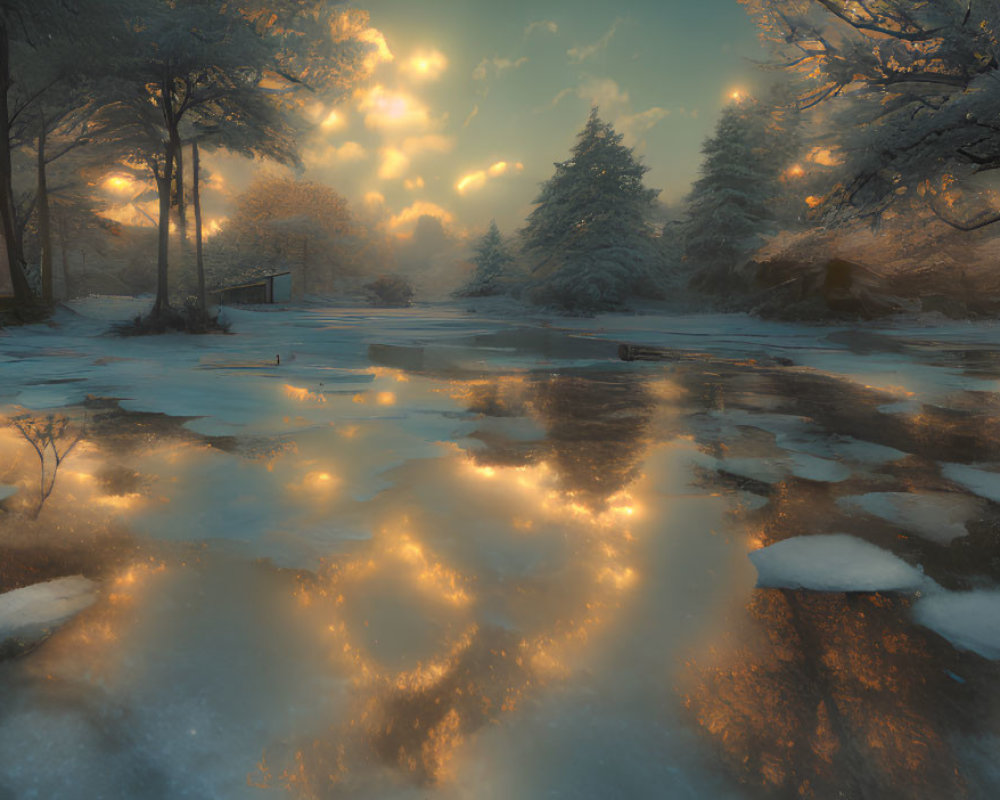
(394, 164)
(605, 93)
(421, 208)
(412, 184)
(428, 143)
(471, 181)
(499, 65)
(425, 65)
(560, 97)
(542, 26)
(391, 110)
(346, 153)
(351, 151)
(581, 53)
(335, 120)
(477, 179)
(472, 115)
(633, 126)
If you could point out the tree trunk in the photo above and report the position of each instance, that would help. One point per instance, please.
(196, 200)
(44, 224)
(164, 185)
(63, 247)
(23, 296)
(179, 199)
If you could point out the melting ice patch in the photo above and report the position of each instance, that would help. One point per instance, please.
(774, 470)
(985, 484)
(937, 516)
(28, 612)
(969, 620)
(834, 563)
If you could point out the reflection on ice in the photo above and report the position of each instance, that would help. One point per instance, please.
(501, 564)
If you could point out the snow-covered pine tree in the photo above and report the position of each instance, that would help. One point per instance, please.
(589, 241)
(730, 206)
(491, 257)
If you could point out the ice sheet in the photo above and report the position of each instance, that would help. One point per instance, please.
(30, 610)
(834, 563)
(969, 620)
(937, 516)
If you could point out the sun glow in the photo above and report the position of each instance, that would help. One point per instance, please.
(120, 184)
(426, 65)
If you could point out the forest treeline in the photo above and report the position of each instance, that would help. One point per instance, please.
(859, 178)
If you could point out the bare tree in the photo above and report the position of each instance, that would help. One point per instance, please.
(53, 437)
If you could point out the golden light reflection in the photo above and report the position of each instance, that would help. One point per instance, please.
(82, 644)
(120, 184)
(418, 718)
(847, 656)
(303, 395)
(320, 480)
(118, 501)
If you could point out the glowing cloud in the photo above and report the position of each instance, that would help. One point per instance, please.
(583, 52)
(428, 143)
(422, 208)
(351, 151)
(426, 66)
(476, 180)
(347, 153)
(633, 126)
(334, 121)
(605, 93)
(374, 201)
(388, 110)
(414, 183)
(541, 26)
(498, 64)
(394, 164)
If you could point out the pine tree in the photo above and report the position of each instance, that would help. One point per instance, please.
(590, 238)
(730, 206)
(492, 258)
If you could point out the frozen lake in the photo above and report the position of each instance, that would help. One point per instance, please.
(427, 553)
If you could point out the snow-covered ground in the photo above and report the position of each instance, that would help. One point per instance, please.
(432, 553)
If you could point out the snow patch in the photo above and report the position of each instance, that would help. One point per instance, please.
(834, 563)
(822, 470)
(978, 481)
(937, 516)
(969, 620)
(28, 612)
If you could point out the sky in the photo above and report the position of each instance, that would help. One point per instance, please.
(466, 105)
